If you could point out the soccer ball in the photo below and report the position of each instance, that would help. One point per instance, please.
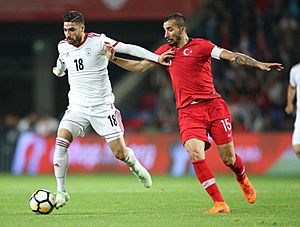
(42, 201)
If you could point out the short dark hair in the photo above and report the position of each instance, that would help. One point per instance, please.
(74, 16)
(178, 17)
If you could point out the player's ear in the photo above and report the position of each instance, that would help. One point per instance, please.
(83, 27)
(183, 29)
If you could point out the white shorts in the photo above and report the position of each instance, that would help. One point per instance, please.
(105, 119)
(296, 133)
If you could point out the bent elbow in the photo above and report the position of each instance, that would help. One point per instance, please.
(141, 70)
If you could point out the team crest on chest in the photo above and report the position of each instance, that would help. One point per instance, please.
(187, 52)
(88, 52)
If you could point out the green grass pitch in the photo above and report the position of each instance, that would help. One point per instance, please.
(120, 200)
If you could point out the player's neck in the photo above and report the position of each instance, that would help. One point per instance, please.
(185, 39)
(83, 38)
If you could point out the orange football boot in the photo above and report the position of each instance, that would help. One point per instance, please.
(219, 207)
(248, 190)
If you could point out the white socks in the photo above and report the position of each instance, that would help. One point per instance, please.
(131, 159)
(61, 162)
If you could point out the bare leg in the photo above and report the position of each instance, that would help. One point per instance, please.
(204, 174)
(235, 163)
(297, 149)
(126, 155)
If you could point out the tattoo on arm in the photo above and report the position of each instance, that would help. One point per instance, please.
(242, 59)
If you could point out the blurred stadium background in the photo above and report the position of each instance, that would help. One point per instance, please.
(33, 100)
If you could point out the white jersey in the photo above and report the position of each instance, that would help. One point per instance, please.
(295, 82)
(87, 70)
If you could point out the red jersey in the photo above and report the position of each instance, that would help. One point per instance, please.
(190, 71)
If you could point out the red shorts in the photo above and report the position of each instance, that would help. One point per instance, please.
(211, 117)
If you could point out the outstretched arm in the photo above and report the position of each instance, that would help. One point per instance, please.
(134, 66)
(137, 66)
(243, 59)
(291, 92)
(137, 51)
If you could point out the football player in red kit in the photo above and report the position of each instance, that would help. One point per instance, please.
(201, 109)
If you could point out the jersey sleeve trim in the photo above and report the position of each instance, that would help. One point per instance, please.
(136, 51)
(216, 51)
(115, 44)
(292, 77)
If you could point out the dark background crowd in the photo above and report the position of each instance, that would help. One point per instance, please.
(267, 30)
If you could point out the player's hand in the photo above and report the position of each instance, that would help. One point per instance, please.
(165, 58)
(289, 108)
(56, 73)
(270, 66)
(110, 51)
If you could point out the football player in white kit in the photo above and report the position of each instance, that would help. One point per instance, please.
(91, 101)
(293, 89)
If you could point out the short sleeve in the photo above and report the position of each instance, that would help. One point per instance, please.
(206, 47)
(161, 49)
(104, 39)
(216, 51)
(293, 73)
(60, 53)
(109, 40)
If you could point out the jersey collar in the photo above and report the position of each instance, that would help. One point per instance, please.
(85, 37)
(173, 47)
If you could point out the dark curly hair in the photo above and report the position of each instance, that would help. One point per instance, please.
(74, 16)
(178, 17)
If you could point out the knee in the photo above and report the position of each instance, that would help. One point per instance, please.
(297, 152)
(297, 149)
(119, 149)
(196, 151)
(227, 154)
(66, 134)
(194, 155)
(228, 161)
(119, 153)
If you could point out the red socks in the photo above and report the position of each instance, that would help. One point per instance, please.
(238, 168)
(207, 180)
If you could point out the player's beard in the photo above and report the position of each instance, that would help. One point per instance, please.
(174, 41)
(74, 41)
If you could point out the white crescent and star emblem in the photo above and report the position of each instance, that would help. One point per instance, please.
(187, 51)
